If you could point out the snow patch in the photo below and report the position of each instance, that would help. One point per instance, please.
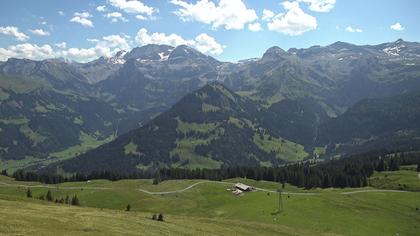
(393, 51)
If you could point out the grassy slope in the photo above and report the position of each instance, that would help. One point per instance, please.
(36, 218)
(402, 180)
(87, 142)
(328, 213)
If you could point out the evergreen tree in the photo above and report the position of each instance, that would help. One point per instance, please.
(381, 166)
(418, 167)
(4, 172)
(160, 217)
(49, 196)
(128, 208)
(395, 164)
(29, 193)
(154, 217)
(75, 201)
(67, 201)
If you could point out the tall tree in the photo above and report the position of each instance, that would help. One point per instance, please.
(49, 196)
(75, 201)
(128, 207)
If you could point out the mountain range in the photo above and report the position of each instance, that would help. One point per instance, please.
(174, 106)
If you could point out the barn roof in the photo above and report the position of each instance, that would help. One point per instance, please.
(242, 186)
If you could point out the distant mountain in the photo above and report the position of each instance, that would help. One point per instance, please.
(389, 123)
(337, 75)
(296, 91)
(208, 128)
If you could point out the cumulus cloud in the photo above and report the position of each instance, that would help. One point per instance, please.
(320, 5)
(107, 47)
(230, 14)
(27, 50)
(203, 42)
(82, 18)
(14, 32)
(353, 30)
(254, 27)
(39, 32)
(397, 26)
(208, 45)
(267, 14)
(101, 8)
(61, 45)
(140, 17)
(115, 17)
(133, 6)
(294, 22)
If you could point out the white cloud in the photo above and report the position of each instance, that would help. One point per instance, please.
(27, 50)
(93, 40)
(320, 5)
(353, 30)
(133, 6)
(101, 8)
(107, 47)
(116, 42)
(397, 26)
(61, 13)
(140, 17)
(144, 38)
(267, 14)
(203, 42)
(230, 14)
(294, 22)
(15, 32)
(82, 18)
(115, 17)
(254, 27)
(39, 32)
(61, 45)
(208, 45)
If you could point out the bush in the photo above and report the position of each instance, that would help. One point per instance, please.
(154, 217)
(29, 193)
(160, 217)
(128, 208)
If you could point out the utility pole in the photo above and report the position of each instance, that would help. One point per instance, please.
(280, 209)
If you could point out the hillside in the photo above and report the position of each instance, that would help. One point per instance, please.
(56, 108)
(209, 128)
(390, 123)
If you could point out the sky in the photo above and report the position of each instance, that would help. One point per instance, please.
(229, 30)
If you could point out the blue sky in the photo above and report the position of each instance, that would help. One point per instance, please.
(229, 30)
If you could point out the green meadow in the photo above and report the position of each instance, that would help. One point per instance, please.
(209, 208)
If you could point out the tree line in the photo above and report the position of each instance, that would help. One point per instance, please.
(351, 171)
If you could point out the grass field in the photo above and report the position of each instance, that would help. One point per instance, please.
(209, 205)
(402, 180)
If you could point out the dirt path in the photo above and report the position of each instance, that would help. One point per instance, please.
(375, 191)
(2, 184)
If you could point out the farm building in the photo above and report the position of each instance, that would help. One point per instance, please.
(243, 187)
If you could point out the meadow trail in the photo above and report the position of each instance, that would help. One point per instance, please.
(3, 184)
